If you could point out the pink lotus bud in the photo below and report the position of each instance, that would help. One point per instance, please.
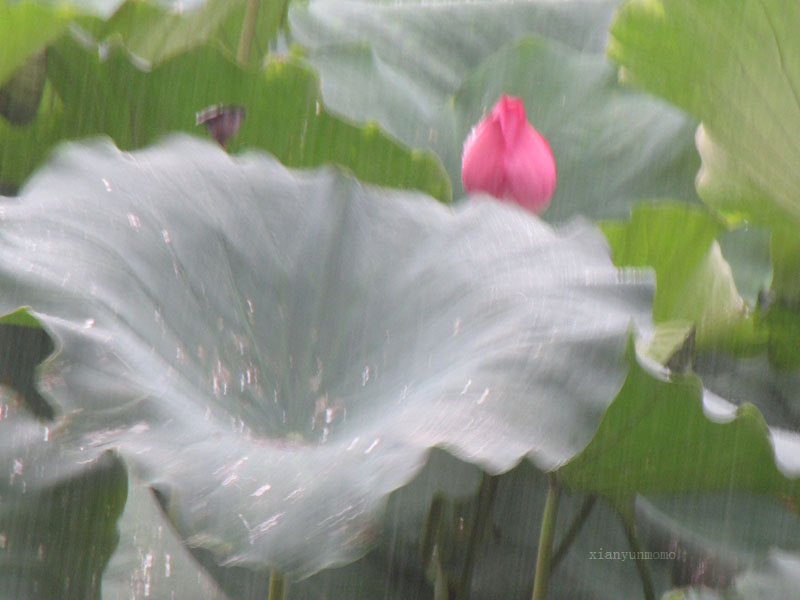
(507, 158)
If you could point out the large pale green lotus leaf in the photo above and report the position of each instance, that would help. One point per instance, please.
(735, 66)
(582, 24)
(276, 351)
(777, 578)
(427, 72)
(612, 146)
(420, 52)
(738, 527)
(741, 539)
(150, 560)
(435, 44)
(400, 63)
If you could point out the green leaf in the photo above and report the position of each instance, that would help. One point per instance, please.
(285, 348)
(782, 310)
(21, 316)
(105, 8)
(693, 281)
(785, 254)
(743, 85)
(284, 115)
(733, 65)
(784, 329)
(154, 33)
(656, 438)
(26, 28)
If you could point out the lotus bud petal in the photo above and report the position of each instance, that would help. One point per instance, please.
(222, 121)
(506, 157)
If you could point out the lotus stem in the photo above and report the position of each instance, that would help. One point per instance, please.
(429, 548)
(546, 534)
(482, 514)
(574, 529)
(277, 585)
(248, 31)
(430, 532)
(629, 525)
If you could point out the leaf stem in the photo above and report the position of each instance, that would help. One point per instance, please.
(629, 525)
(482, 513)
(546, 535)
(277, 586)
(248, 31)
(574, 529)
(430, 532)
(429, 548)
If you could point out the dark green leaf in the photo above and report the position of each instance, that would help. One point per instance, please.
(662, 436)
(154, 32)
(26, 28)
(284, 115)
(21, 94)
(57, 523)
